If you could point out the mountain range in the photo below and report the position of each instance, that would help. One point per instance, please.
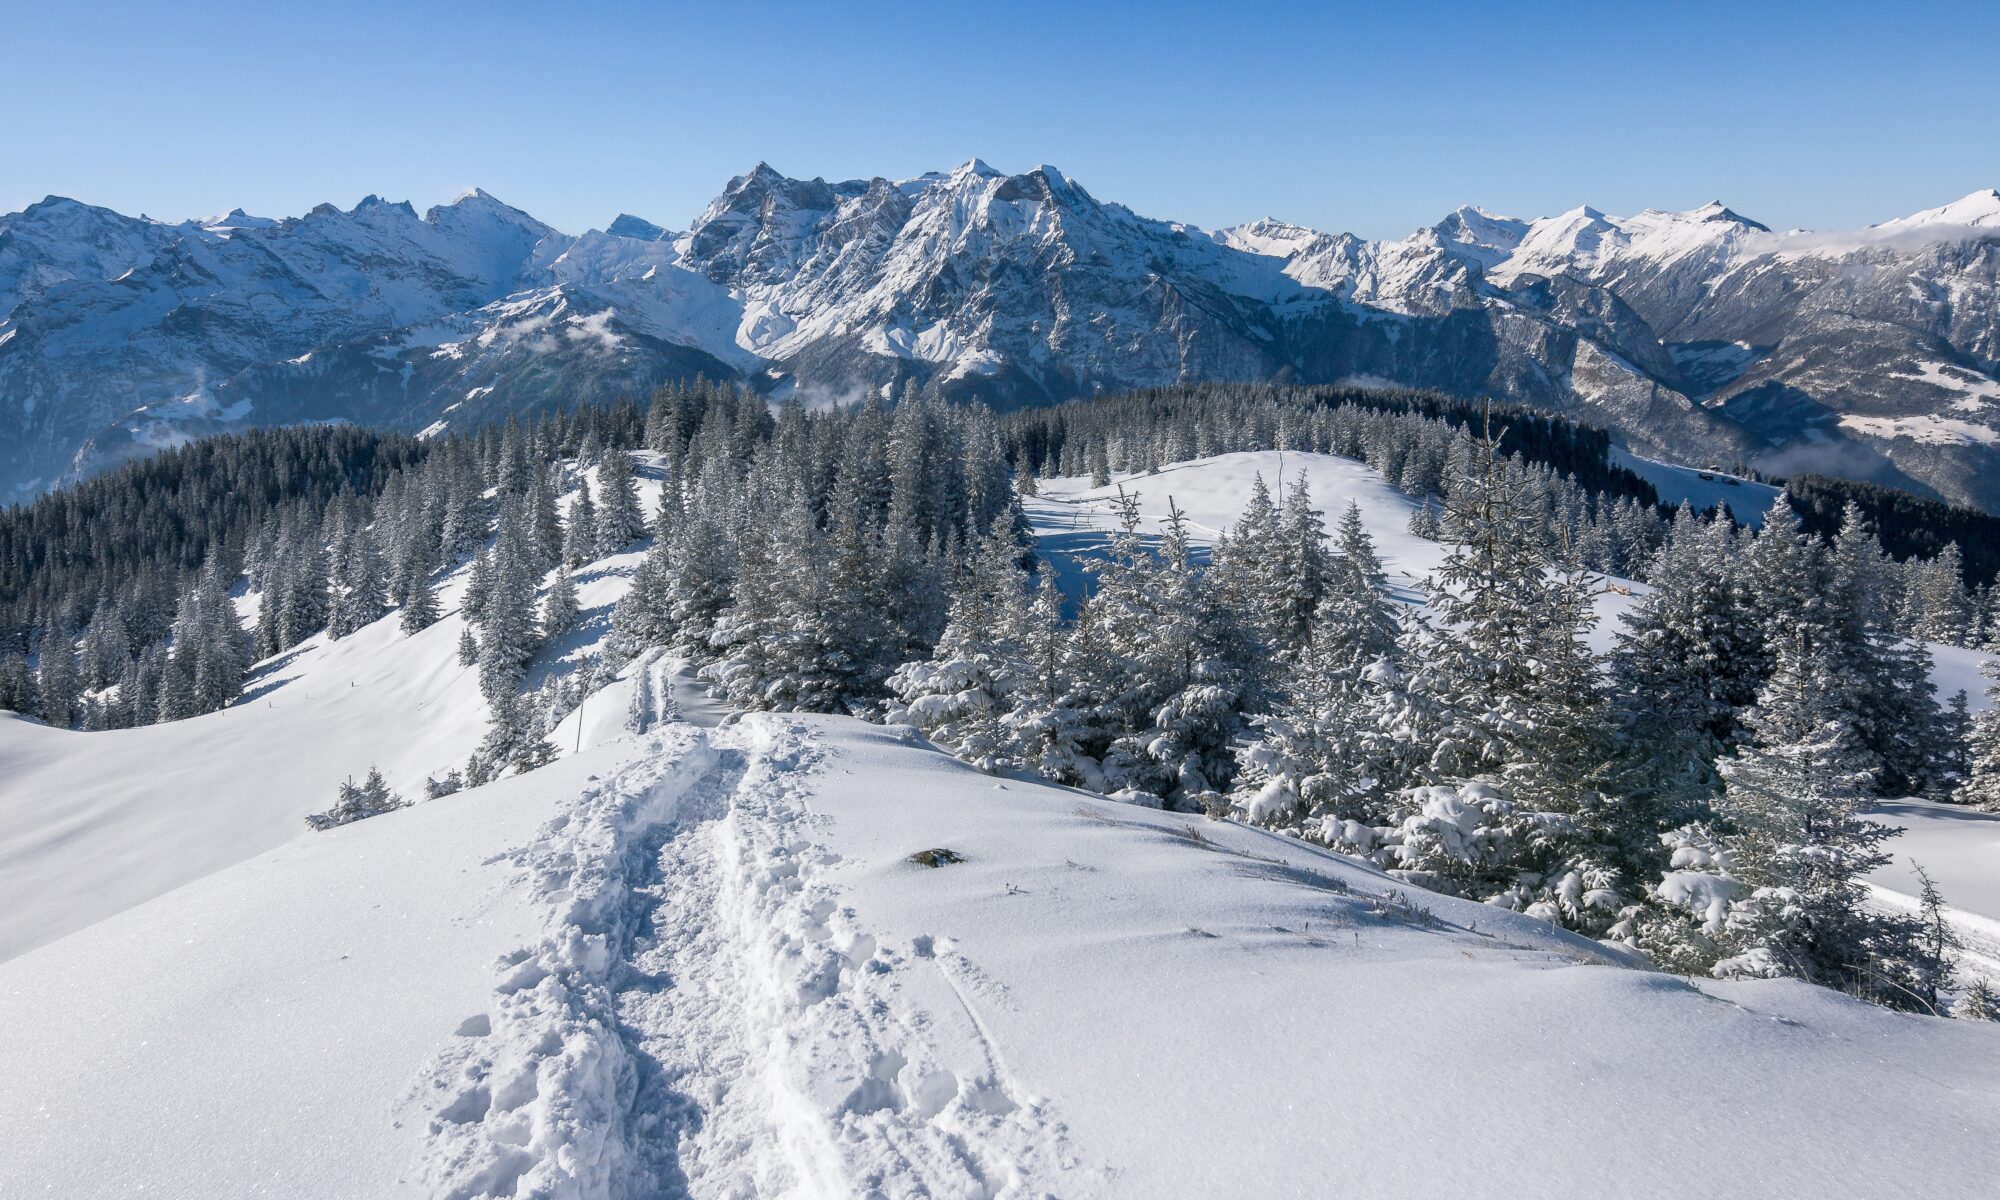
(1701, 336)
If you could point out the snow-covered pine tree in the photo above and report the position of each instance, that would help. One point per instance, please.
(1178, 702)
(1980, 1001)
(355, 802)
(962, 694)
(1317, 765)
(1687, 659)
(17, 682)
(1424, 522)
(1046, 726)
(304, 603)
(559, 609)
(619, 519)
(58, 680)
(1981, 788)
(358, 598)
(544, 530)
(1246, 579)
(1508, 807)
(1940, 609)
(419, 597)
(644, 615)
(221, 647)
(1894, 700)
(580, 539)
(1951, 762)
(508, 637)
(1791, 805)
(1305, 568)
(107, 646)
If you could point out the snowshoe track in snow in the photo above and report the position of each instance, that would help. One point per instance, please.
(702, 1017)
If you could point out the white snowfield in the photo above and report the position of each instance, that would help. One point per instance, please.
(92, 824)
(701, 962)
(695, 958)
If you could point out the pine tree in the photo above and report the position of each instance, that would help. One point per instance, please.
(1951, 760)
(1046, 725)
(17, 682)
(358, 598)
(419, 598)
(961, 695)
(644, 617)
(1305, 568)
(1979, 1002)
(1424, 522)
(508, 637)
(1930, 968)
(1981, 788)
(356, 802)
(1889, 677)
(619, 521)
(559, 608)
(1687, 659)
(220, 646)
(58, 681)
(1507, 808)
(304, 604)
(1319, 762)
(580, 539)
(1791, 807)
(1941, 610)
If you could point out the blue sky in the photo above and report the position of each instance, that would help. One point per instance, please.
(1371, 118)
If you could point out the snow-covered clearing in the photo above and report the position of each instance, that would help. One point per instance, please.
(1747, 501)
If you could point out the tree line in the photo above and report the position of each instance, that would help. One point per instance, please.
(1696, 794)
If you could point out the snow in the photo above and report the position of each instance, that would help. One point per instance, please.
(694, 957)
(1976, 391)
(1073, 521)
(251, 1033)
(1980, 209)
(1677, 485)
(1960, 850)
(1925, 428)
(701, 960)
(93, 824)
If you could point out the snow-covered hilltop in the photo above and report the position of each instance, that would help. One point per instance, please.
(1701, 336)
(708, 956)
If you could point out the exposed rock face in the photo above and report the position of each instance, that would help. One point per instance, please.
(1699, 335)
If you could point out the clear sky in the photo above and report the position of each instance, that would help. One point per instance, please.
(1373, 118)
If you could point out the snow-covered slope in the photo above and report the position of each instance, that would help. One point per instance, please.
(92, 824)
(694, 957)
(1700, 335)
(1073, 521)
(712, 968)
(1704, 490)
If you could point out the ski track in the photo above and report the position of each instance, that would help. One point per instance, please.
(703, 1017)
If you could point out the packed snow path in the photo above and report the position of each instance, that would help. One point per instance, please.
(702, 1017)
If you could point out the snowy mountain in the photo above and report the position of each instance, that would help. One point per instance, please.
(1700, 336)
(693, 956)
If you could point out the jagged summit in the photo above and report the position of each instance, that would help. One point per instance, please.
(1693, 334)
(1715, 210)
(629, 226)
